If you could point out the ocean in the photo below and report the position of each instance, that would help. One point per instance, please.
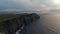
(47, 24)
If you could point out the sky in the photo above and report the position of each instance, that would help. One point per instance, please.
(39, 5)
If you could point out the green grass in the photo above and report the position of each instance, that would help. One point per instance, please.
(8, 16)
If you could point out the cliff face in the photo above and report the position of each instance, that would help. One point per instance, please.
(12, 25)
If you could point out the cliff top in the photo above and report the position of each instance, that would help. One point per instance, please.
(7, 16)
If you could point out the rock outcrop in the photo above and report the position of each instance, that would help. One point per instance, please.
(12, 25)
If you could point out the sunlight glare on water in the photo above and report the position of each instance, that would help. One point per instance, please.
(51, 22)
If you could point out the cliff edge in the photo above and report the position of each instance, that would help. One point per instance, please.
(10, 26)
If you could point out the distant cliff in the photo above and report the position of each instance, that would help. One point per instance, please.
(12, 25)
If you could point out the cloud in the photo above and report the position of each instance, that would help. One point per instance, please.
(39, 5)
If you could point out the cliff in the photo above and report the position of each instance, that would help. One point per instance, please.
(10, 26)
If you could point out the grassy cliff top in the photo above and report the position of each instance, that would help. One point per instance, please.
(7, 16)
(4, 17)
